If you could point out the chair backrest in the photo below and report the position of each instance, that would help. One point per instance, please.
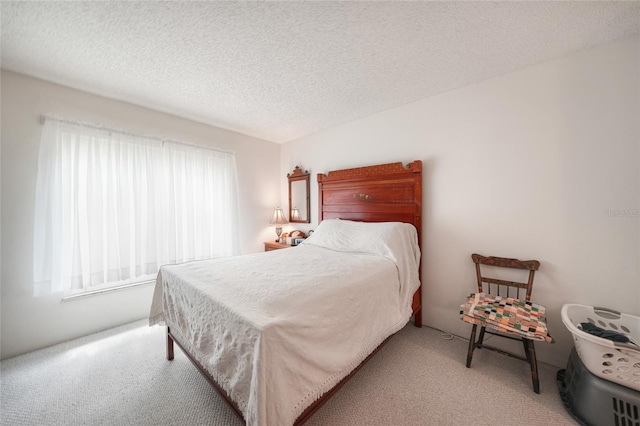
(505, 286)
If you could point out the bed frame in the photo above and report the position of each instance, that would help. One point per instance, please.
(382, 193)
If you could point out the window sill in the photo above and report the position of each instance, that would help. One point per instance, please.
(106, 290)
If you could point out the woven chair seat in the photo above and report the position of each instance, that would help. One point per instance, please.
(507, 315)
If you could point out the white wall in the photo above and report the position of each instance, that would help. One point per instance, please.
(525, 165)
(29, 323)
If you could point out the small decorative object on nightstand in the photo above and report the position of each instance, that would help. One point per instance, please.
(271, 245)
(296, 237)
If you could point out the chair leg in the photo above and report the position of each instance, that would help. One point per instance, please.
(472, 345)
(530, 351)
(481, 337)
(525, 343)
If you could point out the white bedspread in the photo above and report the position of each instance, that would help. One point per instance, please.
(279, 329)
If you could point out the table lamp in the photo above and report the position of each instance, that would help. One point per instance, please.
(278, 219)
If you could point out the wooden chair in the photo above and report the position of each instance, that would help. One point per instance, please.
(496, 311)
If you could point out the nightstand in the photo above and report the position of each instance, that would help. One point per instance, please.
(272, 245)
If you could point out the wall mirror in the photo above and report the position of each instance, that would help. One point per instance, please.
(299, 202)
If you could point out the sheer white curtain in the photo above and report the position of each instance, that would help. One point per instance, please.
(112, 207)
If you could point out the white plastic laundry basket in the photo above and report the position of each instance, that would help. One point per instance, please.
(613, 361)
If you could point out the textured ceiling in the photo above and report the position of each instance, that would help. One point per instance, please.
(282, 70)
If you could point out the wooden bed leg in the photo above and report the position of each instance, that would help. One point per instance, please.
(417, 319)
(169, 346)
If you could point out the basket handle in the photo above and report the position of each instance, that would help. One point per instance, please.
(607, 313)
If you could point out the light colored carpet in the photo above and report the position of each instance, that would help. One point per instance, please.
(121, 377)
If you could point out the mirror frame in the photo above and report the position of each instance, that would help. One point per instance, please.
(299, 175)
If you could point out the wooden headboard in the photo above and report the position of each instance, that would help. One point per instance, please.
(382, 193)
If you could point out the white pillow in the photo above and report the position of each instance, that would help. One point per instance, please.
(361, 237)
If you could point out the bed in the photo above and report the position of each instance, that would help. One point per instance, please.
(277, 333)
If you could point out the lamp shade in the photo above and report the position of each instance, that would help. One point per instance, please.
(278, 217)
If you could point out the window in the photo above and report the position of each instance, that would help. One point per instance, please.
(112, 207)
